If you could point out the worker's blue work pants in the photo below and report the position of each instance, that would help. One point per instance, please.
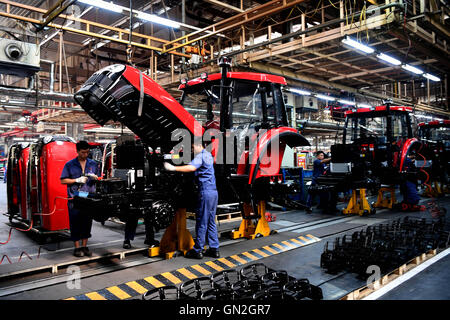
(205, 226)
(80, 223)
(323, 196)
(409, 192)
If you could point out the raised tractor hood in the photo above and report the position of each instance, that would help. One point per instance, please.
(114, 93)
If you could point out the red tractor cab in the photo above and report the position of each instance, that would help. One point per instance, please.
(36, 197)
(16, 175)
(435, 154)
(376, 143)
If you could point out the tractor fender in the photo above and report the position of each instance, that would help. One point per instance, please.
(284, 136)
(408, 146)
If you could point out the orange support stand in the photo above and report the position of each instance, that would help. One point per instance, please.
(176, 238)
(385, 202)
(248, 228)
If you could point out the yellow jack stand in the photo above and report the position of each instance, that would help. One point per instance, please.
(248, 229)
(385, 202)
(176, 238)
(358, 203)
(435, 190)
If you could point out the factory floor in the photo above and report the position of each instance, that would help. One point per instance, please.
(308, 232)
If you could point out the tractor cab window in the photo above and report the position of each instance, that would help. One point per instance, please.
(435, 133)
(257, 103)
(371, 126)
(247, 104)
(204, 103)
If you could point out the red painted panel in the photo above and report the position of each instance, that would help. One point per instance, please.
(252, 76)
(54, 156)
(379, 108)
(154, 90)
(23, 182)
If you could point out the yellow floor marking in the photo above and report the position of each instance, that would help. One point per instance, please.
(214, 266)
(72, 298)
(95, 296)
(279, 246)
(227, 262)
(200, 269)
(296, 241)
(312, 237)
(171, 277)
(235, 257)
(304, 239)
(270, 249)
(250, 256)
(185, 272)
(119, 293)
(136, 287)
(154, 282)
(288, 244)
(261, 253)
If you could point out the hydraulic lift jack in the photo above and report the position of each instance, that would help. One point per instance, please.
(385, 202)
(176, 238)
(358, 203)
(248, 228)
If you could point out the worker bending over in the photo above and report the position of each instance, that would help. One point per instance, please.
(205, 225)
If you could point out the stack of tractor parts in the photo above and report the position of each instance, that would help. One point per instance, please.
(253, 282)
(358, 204)
(385, 199)
(385, 245)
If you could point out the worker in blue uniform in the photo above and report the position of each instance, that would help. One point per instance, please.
(408, 188)
(319, 169)
(205, 226)
(80, 174)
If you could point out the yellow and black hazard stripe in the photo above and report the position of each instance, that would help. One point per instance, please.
(138, 287)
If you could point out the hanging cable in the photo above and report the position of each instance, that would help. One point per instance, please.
(31, 221)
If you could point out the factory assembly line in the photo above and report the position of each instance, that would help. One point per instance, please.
(375, 149)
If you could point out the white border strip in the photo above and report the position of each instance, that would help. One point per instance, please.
(408, 275)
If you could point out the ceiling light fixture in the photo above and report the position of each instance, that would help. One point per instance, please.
(155, 19)
(412, 69)
(389, 59)
(104, 5)
(324, 97)
(357, 45)
(351, 103)
(299, 91)
(431, 77)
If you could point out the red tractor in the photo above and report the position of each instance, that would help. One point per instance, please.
(374, 151)
(435, 137)
(241, 114)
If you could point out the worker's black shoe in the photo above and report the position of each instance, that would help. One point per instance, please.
(78, 252)
(127, 244)
(86, 252)
(308, 210)
(212, 252)
(151, 243)
(192, 254)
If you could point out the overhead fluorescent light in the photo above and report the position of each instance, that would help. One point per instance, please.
(324, 97)
(412, 69)
(431, 77)
(299, 91)
(104, 5)
(357, 45)
(389, 59)
(155, 19)
(352, 103)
